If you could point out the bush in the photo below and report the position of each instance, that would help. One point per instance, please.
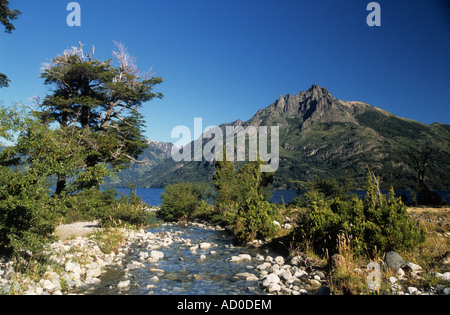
(184, 201)
(255, 218)
(28, 215)
(86, 205)
(106, 207)
(375, 224)
(124, 211)
(235, 188)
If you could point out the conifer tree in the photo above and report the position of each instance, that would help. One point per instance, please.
(101, 100)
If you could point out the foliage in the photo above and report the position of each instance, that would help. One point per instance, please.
(255, 218)
(327, 188)
(228, 196)
(242, 201)
(233, 188)
(125, 211)
(101, 101)
(4, 81)
(28, 215)
(89, 125)
(6, 17)
(375, 224)
(183, 201)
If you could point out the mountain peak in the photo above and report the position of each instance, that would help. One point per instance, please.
(316, 104)
(315, 87)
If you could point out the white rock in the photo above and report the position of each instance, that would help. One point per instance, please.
(392, 280)
(73, 267)
(414, 267)
(143, 255)
(39, 290)
(443, 276)
(263, 266)
(259, 257)
(93, 271)
(74, 270)
(245, 257)
(287, 226)
(93, 281)
(123, 284)
(247, 276)
(205, 245)
(411, 290)
(156, 255)
(286, 275)
(303, 292)
(47, 285)
(279, 260)
(134, 265)
(274, 287)
(154, 279)
(271, 278)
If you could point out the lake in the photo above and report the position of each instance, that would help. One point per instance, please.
(152, 196)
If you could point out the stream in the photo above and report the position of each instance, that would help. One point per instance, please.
(182, 271)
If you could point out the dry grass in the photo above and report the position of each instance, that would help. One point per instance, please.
(349, 274)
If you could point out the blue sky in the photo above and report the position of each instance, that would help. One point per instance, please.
(224, 59)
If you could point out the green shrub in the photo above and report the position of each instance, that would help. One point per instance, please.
(183, 201)
(255, 218)
(375, 224)
(124, 211)
(28, 215)
(234, 188)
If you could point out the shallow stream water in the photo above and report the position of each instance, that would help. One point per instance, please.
(183, 272)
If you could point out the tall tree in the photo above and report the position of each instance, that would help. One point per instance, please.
(102, 100)
(419, 160)
(6, 16)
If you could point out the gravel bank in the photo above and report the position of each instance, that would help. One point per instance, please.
(74, 230)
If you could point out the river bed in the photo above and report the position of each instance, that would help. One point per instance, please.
(184, 271)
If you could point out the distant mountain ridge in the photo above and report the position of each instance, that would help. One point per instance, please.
(155, 154)
(326, 137)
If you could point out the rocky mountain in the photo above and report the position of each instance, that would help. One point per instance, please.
(326, 137)
(154, 155)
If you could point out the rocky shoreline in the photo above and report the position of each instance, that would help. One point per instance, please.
(77, 265)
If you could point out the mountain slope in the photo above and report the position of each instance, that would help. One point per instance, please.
(323, 136)
(155, 154)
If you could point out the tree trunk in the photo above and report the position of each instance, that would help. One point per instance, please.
(60, 184)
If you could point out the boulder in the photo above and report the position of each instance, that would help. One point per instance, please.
(123, 284)
(271, 278)
(93, 270)
(394, 261)
(205, 245)
(279, 260)
(156, 255)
